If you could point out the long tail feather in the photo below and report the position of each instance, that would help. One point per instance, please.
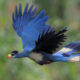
(70, 52)
(74, 58)
(74, 45)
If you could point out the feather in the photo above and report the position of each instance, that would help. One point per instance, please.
(20, 10)
(30, 9)
(50, 41)
(42, 13)
(26, 8)
(69, 49)
(33, 12)
(13, 18)
(16, 12)
(74, 45)
(20, 20)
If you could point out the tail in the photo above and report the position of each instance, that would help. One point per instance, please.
(70, 52)
(74, 58)
(75, 55)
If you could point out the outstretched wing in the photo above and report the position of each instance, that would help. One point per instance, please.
(50, 41)
(21, 20)
(28, 25)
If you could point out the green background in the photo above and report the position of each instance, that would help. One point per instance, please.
(63, 13)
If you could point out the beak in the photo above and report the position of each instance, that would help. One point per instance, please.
(9, 55)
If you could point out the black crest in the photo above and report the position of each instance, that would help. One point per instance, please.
(50, 41)
(14, 52)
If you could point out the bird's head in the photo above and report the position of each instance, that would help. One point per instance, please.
(13, 53)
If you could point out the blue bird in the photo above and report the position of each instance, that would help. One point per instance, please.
(40, 40)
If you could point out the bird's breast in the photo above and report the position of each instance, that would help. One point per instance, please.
(36, 56)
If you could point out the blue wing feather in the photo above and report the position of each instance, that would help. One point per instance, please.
(28, 25)
(26, 8)
(30, 9)
(37, 17)
(33, 12)
(13, 18)
(16, 12)
(20, 10)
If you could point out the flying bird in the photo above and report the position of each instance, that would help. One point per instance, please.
(41, 40)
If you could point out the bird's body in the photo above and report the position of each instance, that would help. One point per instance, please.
(40, 40)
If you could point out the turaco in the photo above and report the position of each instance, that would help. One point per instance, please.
(41, 40)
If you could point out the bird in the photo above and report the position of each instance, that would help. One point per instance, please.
(40, 40)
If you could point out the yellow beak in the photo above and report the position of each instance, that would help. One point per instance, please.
(9, 55)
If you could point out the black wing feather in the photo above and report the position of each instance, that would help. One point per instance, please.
(50, 41)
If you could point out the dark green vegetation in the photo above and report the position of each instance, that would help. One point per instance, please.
(62, 13)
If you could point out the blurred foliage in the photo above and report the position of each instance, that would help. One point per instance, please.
(62, 13)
